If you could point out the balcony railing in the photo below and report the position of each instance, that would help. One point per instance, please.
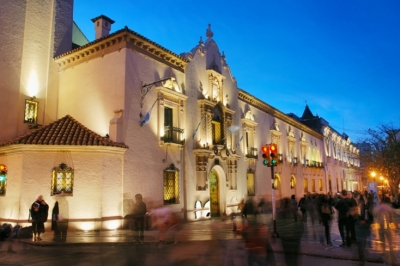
(173, 135)
(252, 153)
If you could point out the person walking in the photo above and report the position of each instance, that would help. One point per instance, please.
(139, 212)
(290, 233)
(325, 212)
(351, 220)
(39, 212)
(363, 228)
(294, 207)
(343, 208)
(303, 208)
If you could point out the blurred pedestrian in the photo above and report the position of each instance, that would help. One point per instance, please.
(256, 237)
(363, 228)
(60, 216)
(384, 215)
(290, 232)
(303, 207)
(248, 210)
(343, 208)
(39, 213)
(294, 207)
(351, 220)
(325, 211)
(139, 212)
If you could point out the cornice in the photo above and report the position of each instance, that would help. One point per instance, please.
(124, 38)
(253, 101)
(23, 148)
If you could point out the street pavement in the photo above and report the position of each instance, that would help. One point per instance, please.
(200, 232)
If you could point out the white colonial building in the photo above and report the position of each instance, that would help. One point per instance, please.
(101, 121)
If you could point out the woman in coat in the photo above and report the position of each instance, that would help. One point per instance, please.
(39, 212)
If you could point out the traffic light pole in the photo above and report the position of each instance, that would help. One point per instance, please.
(275, 234)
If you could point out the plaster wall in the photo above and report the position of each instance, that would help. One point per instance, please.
(145, 160)
(12, 21)
(91, 91)
(97, 175)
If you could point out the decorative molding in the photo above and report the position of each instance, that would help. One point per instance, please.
(124, 38)
(253, 101)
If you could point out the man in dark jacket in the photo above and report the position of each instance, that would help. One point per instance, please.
(39, 212)
(343, 208)
(351, 219)
(139, 212)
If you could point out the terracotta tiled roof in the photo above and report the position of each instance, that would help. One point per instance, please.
(65, 131)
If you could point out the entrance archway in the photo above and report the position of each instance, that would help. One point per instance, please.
(217, 188)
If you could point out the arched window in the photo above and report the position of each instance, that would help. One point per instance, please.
(292, 182)
(62, 180)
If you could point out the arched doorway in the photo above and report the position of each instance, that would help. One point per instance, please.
(214, 193)
(217, 187)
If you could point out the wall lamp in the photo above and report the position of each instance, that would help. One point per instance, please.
(147, 87)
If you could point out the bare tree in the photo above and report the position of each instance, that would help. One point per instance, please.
(382, 154)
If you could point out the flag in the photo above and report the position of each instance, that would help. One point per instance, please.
(240, 140)
(234, 128)
(197, 128)
(146, 117)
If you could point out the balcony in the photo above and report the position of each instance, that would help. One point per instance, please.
(252, 153)
(173, 135)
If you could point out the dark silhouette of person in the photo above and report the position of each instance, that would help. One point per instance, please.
(60, 216)
(290, 232)
(343, 208)
(139, 212)
(39, 212)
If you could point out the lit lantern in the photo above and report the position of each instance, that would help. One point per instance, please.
(3, 168)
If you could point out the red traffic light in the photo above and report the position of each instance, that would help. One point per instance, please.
(265, 149)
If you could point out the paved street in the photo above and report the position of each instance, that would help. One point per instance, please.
(198, 245)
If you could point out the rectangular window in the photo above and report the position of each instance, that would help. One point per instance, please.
(62, 180)
(216, 132)
(171, 185)
(320, 184)
(305, 184)
(168, 124)
(313, 185)
(31, 110)
(251, 191)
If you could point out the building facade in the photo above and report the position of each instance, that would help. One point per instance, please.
(123, 115)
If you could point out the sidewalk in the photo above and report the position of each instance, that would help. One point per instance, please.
(202, 231)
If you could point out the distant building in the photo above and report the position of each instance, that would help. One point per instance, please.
(101, 121)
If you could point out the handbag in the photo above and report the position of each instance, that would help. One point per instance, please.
(325, 209)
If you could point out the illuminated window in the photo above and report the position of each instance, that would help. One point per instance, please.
(276, 181)
(292, 181)
(171, 185)
(216, 131)
(31, 109)
(3, 179)
(250, 185)
(62, 180)
(337, 185)
(172, 134)
(320, 184)
(313, 185)
(305, 183)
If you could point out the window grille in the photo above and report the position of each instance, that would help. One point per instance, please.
(62, 180)
(31, 111)
(250, 185)
(216, 132)
(171, 185)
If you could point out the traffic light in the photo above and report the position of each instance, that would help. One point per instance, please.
(265, 155)
(273, 149)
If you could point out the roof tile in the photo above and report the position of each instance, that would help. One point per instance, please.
(65, 131)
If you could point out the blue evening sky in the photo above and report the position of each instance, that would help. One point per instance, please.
(341, 57)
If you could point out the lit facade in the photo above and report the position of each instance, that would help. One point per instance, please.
(200, 147)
